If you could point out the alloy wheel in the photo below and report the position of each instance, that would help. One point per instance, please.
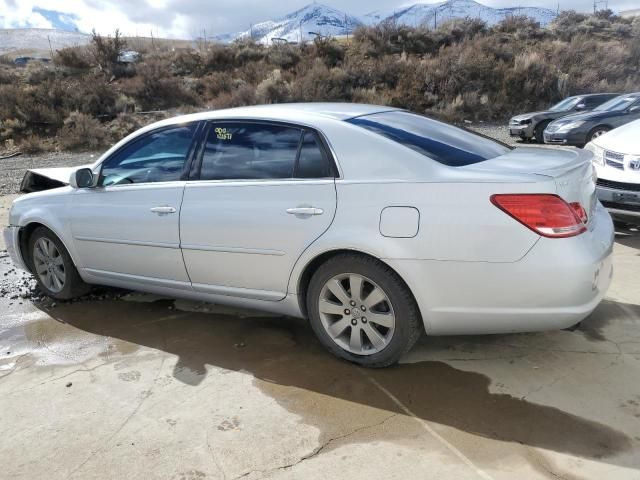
(356, 313)
(598, 133)
(49, 264)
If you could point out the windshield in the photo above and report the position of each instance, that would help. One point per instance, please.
(616, 104)
(566, 104)
(439, 141)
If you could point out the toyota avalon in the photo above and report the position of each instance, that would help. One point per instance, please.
(374, 223)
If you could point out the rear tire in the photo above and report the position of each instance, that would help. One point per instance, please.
(372, 321)
(52, 266)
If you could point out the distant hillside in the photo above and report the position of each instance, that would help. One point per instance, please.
(329, 21)
(298, 25)
(432, 14)
(35, 41)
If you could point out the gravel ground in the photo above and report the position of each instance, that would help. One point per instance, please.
(12, 169)
(494, 130)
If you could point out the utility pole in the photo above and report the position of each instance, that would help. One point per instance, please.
(300, 32)
(50, 47)
(435, 19)
(346, 26)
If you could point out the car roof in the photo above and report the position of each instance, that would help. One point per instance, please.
(598, 94)
(285, 112)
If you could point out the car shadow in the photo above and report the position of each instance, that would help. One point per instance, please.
(282, 352)
(629, 237)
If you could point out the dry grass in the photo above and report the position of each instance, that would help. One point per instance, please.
(462, 70)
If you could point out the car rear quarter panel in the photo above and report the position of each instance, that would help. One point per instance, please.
(457, 222)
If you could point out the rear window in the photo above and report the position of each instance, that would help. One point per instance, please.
(446, 144)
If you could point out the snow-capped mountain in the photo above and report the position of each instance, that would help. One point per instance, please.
(38, 41)
(329, 21)
(314, 17)
(433, 14)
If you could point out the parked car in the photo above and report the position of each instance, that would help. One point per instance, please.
(373, 222)
(531, 125)
(581, 128)
(616, 156)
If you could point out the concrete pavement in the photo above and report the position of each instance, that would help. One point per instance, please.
(131, 386)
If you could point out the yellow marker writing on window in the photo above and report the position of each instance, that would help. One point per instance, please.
(223, 134)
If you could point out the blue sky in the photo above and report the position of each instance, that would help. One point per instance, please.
(188, 18)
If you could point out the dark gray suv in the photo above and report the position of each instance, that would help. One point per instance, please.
(579, 129)
(532, 125)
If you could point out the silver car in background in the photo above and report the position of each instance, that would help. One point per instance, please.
(374, 223)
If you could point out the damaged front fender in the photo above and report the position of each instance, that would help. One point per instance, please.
(40, 179)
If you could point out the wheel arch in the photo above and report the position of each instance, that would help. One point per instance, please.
(304, 279)
(600, 125)
(24, 235)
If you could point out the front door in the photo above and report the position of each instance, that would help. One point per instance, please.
(128, 226)
(264, 194)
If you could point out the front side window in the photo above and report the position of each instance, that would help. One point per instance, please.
(444, 143)
(156, 157)
(617, 104)
(566, 104)
(249, 151)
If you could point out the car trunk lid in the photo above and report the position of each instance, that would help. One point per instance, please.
(571, 170)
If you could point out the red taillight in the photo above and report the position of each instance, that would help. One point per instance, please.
(579, 211)
(546, 214)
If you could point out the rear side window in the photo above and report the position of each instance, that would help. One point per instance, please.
(313, 162)
(446, 144)
(249, 151)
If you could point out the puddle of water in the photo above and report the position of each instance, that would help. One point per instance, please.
(48, 342)
(282, 353)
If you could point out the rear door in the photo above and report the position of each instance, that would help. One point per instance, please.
(128, 226)
(264, 193)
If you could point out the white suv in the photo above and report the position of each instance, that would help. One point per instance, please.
(617, 162)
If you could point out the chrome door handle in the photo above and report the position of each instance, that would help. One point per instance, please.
(163, 210)
(305, 211)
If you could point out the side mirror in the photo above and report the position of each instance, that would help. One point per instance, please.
(581, 106)
(634, 109)
(82, 178)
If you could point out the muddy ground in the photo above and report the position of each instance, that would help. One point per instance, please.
(122, 385)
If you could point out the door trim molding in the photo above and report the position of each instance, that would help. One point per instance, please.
(249, 251)
(82, 238)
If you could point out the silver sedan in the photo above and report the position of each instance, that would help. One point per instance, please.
(374, 223)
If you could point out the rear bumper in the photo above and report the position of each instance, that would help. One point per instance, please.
(12, 242)
(557, 284)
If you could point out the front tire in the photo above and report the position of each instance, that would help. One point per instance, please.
(538, 132)
(596, 132)
(53, 268)
(362, 311)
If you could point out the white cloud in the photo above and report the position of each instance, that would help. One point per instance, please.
(103, 16)
(188, 18)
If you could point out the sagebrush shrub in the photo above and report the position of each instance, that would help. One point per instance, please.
(81, 131)
(461, 70)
